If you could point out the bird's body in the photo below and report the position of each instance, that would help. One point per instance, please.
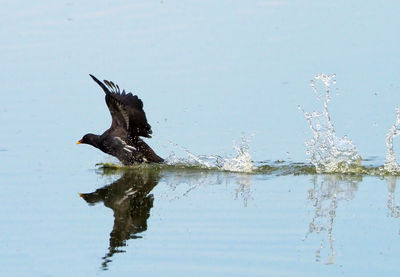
(122, 140)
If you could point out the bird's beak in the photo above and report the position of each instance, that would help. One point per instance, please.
(79, 142)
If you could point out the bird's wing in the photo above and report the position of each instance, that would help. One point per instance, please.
(126, 110)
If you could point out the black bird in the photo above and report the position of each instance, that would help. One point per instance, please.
(129, 122)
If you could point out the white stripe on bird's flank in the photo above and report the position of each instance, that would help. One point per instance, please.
(126, 147)
(129, 148)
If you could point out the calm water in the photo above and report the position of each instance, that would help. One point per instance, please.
(208, 73)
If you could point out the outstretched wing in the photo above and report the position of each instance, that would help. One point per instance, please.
(126, 110)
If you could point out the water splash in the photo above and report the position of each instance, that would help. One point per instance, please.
(328, 153)
(391, 164)
(240, 163)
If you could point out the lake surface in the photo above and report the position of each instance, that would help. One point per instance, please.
(212, 76)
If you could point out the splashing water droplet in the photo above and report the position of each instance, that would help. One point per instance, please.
(328, 152)
(242, 162)
(391, 164)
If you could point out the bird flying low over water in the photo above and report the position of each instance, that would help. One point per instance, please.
(129, 123)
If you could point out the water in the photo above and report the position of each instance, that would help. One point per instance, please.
(221, 84)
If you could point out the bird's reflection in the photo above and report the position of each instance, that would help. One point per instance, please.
(131, 202)
(327, 192)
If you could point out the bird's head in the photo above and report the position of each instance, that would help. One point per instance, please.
(88, 139)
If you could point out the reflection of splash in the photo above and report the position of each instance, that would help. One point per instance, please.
(328, 152)
(240, 163)
(394, 209)
(391, 164)
(182, 183)
(391, 202)
(325, 197)
(243, 189)
(130, 201)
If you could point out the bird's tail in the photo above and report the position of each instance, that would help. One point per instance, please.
(106, 90)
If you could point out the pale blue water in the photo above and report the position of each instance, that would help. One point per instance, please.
(207, 73)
